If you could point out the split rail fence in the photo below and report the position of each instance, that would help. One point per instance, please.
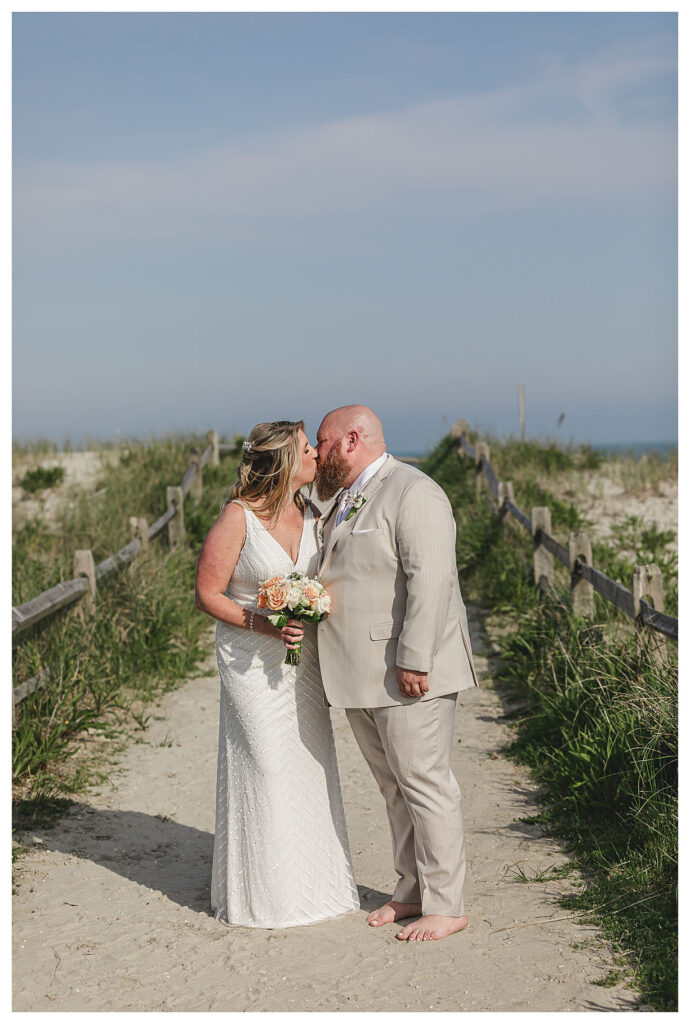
(87, 575)
(577, 556)
(644, 603)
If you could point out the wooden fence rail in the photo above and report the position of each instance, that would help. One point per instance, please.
(638, 609)
(69, 592)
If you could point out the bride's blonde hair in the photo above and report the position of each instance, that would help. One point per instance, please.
(271, 458)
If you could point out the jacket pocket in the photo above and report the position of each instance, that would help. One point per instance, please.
(385, 630)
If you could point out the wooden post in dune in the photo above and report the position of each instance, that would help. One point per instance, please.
(457, 432)
(648, 583)
(481, 450)
(521, 410)
(581, 590)
(505, 492)
(176, 525)
(197, 483)
(542, 559)
(84, 566)
(214, 460)
(138, 527)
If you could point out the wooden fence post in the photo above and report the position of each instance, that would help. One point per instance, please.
(457, 432)
(197, 483)
(505, 492)
(176, 524)
(84, 566)
(581, 591)
(648, 583)
(480, 449)
(542, 559)
(138, 527)
(215, 454)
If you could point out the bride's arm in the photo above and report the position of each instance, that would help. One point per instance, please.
(216, 565)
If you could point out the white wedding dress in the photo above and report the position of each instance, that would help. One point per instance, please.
(281, 855)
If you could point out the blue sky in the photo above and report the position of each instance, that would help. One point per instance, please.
(224, 218)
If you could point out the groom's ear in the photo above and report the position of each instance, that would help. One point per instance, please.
(352, 439)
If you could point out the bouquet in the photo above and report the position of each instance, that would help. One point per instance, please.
(294, 597)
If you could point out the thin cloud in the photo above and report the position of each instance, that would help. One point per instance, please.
(564, 137)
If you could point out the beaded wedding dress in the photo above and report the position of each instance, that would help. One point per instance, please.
(281, 855)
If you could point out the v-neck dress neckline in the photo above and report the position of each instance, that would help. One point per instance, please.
(287, 554)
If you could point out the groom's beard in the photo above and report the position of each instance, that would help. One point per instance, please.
(331, 474)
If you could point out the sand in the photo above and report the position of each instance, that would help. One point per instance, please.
(112, 908)
(607, 499)
(83, 475)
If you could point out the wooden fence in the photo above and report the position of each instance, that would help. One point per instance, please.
(577, 557)
(585, 579)
(87, 575)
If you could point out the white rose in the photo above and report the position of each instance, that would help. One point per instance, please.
(323, 604)
(295, 595)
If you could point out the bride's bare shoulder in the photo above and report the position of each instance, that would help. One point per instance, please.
(231, 516)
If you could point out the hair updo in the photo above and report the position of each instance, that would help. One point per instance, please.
(271, 458)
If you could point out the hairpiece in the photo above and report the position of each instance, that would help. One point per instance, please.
(247, 446)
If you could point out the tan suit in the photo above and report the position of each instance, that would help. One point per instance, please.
(391, 573)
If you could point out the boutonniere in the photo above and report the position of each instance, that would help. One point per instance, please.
(357, 503)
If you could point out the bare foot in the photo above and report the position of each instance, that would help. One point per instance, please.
(393, 911)
(433, 926)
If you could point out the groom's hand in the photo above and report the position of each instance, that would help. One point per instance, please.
(412, 684)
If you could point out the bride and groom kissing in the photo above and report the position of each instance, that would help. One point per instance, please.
(393, 652)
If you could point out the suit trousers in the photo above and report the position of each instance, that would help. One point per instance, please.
(408, 749)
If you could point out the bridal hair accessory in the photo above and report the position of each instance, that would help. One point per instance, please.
(247, 446)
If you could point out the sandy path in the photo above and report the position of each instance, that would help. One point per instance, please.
(112, 905)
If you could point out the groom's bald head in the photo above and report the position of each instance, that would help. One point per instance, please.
(360, 420)
(349, 439)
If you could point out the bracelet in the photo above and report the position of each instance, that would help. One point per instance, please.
(251, 621)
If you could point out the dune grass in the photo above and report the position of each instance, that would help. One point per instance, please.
(144, 638)
(599, 727)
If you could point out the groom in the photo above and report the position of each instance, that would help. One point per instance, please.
(394, 653)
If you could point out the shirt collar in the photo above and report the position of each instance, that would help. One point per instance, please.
(367, 473)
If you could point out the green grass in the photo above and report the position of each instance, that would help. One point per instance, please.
(37, 479)
(144, 638)
(599, 730)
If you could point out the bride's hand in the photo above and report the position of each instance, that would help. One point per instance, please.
(292, 634)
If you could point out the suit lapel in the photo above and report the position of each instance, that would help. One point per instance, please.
(324, 526)
(336, 533)
(324, 519)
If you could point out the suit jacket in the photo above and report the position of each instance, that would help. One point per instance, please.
(392, 575)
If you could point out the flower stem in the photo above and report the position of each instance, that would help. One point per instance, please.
(293, 656)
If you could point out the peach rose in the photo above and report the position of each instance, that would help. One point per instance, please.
(262, 599)
(277, 595)
(311, 594)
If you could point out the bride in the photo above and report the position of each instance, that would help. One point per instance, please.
(281, 854)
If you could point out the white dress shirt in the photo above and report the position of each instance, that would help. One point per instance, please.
(346, 498)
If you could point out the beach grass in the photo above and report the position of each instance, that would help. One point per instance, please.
(145, 637)
(599, 724)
